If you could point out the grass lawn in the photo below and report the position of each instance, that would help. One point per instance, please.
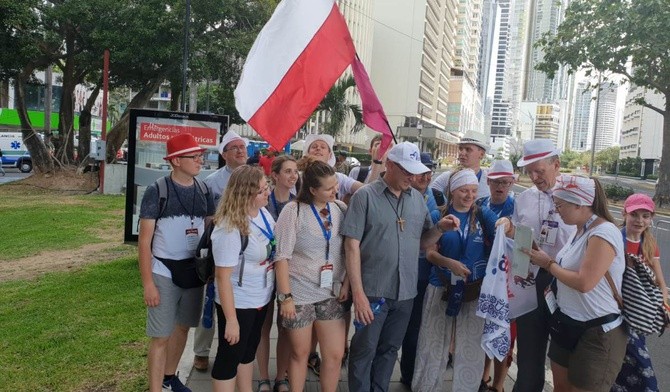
(74, 331)
(69, 327)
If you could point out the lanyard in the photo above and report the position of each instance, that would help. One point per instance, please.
(268, 234)
(326, 233)
(586, 227)
(625, 241)
(274, 201)
(479, 176)
(195, 186)
(487, 203)
(464, 234)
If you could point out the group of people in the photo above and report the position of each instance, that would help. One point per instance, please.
(408, 252)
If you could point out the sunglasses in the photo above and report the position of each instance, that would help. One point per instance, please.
(325, 217)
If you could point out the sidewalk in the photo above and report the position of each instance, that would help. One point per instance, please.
(202, 382)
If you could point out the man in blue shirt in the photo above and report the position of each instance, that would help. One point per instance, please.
(500, 179)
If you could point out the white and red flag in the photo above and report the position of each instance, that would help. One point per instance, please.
(295, 60)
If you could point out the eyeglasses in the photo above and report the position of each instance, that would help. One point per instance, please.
(424, 175)
(402, 169)
(264, 190)
(502, 183)
(234, 148)
(197, 157)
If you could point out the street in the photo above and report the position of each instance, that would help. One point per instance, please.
(12, 174)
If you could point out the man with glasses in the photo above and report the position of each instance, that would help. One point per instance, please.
(233, 149)
(385, 226)
(500, 178)
(535, 208)
(168, 237)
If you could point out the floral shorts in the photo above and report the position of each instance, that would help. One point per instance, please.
(330, 309)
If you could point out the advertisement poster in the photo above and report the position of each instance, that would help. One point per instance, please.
(148, 132)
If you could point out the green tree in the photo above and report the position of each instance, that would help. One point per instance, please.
(607, 37)
(570, 159)
(607, 158)
(337, 107)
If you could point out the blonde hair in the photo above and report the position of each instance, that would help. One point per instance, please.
(242, 189)
(649, 243)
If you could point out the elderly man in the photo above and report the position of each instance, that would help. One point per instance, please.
(233, 149)
(386, 224)
(535, 208)
(471, 150)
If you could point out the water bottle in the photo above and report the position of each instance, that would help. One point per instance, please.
(455, 298)
(376, 309)
(208, 309)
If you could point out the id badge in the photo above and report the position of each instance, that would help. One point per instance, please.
(192, 238)
(550, 298)
(548, 233)
(269, 275)
(326, 276)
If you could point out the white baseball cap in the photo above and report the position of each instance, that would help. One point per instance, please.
(324, 138)
(408, 156)
(229, 137)
(535, 150)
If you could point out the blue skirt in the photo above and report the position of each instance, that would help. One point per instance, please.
(637, 373)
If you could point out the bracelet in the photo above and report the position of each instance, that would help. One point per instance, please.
(377, 161)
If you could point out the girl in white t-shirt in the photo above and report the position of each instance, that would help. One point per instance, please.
(588, 339)
(244, 282)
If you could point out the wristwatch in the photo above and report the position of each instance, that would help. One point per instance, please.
(377, 161)
(283, 297)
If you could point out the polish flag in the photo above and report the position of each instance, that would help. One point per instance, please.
(373, 112)
(295, 60)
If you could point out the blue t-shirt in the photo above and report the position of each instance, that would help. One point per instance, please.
(502, 210)
(434, 211)
(473, 252)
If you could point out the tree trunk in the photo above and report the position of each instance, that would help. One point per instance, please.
(65, 151)
(42, 162)
(662, 196)
(119, 131)
(85, 125)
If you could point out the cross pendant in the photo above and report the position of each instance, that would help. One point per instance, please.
(401, 224)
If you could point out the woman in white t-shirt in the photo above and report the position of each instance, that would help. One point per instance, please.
(588, 340)
(310, 273)
(244, 275)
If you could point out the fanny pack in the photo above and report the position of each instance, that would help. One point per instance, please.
(184, 272)
(470, 290)
(566, 331)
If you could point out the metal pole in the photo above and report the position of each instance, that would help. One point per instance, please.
(595, 128)
(48, 76)
(103, 135)
(187, 21)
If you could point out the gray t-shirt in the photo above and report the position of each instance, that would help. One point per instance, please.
(389, 256)
(218, 181)
(185, 209)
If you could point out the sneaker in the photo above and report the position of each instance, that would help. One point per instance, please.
(314, 363)
(175, 384)
(200, 363)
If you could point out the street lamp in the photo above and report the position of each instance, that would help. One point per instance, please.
(184, 70)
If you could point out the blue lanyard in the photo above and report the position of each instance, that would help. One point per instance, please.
(479, 176)
(274, 200)
(464, 234)
(326, 233)
(268, 234)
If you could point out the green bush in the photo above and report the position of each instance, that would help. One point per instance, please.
(617, 192)
(566, 170)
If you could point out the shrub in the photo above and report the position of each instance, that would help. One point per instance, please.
(617, 192)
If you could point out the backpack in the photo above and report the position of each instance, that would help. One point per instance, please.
(439, 197)
(362, 173)
(204, 258)
(641, 300)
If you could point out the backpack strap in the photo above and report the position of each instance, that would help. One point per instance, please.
(245, 241)
(163, 193)
(362, 173)
(615, 294)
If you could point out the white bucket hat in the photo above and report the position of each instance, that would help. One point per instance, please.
(229, 137)
(476, 138)
(535, 150)
(407, 156)
(501, 168)
(324, 138)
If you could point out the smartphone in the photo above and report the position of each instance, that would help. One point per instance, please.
(523, 239)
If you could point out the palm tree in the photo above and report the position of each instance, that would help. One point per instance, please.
(338, 109)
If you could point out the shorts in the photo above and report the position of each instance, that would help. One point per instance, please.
(177, 306)
(596, 360)
(329, 309)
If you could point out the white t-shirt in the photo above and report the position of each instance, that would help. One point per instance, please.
(226, 246)
(599, 301)
(440, 183)
(345, 183)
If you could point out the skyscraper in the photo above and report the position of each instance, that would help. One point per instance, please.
(606, 117)
(581, 125)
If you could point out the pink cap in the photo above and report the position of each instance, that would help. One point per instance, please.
(638, 201)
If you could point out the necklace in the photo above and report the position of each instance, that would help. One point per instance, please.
(398, 209)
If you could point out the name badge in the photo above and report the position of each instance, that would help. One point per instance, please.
(192, 239)
(548, 233)
(269, 275)
(550, 298)
(326, 276)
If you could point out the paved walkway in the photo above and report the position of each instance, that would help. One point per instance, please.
(201, 381)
